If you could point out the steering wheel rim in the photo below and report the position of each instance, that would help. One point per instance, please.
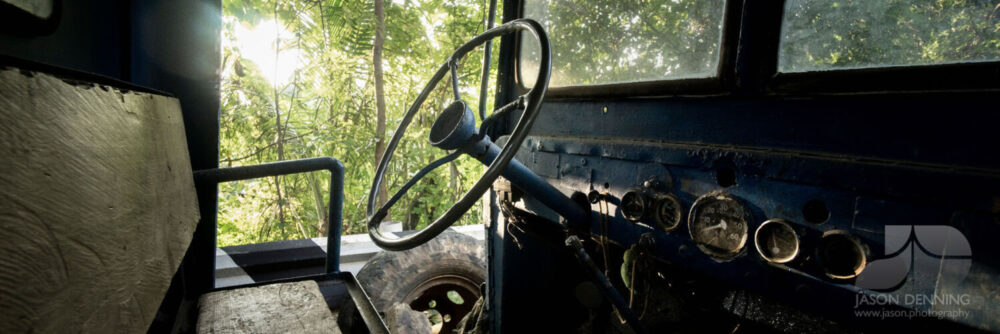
(532, 103)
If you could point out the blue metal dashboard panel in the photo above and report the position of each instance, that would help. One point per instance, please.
(955, 130)
(873, 161)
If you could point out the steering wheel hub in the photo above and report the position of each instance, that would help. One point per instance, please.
(454, 127)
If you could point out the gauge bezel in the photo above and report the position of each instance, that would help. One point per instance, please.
(856, 245)
(642, 199)
(714, 252)
(781, 223)
(679, 212)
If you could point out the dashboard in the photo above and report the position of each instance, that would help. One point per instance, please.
(818, 232)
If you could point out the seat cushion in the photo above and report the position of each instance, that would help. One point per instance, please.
(296, 307)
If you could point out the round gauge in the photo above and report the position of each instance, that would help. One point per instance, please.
(667, 211)
(841, 255)
(718, 224)
(633, 205)
(776, 241)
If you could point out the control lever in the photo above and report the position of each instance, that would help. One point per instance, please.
(576, 246)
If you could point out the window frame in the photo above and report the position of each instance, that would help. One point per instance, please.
(713, 84)
(748, 66)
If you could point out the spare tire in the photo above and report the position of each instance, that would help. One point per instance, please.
(441, 278)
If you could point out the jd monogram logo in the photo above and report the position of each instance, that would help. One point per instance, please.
(918, 257)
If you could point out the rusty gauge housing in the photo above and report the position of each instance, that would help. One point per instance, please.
(776, 241)
(718, 225)
(667, 212)
(841, 255)
(634, 204)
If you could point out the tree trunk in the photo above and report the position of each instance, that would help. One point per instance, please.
(410, 219)
(379, 94)
(454, 179)
(323, 223)
(277, 120)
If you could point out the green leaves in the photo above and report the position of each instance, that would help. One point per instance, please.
(607, 41)
(328, 109)
(819, 35)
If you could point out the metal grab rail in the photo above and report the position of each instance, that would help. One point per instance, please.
(364, 305)
(220, 175)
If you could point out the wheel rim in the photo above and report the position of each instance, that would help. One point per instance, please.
(436, 298)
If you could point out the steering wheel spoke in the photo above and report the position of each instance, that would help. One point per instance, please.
(453, 63)
(384, 210)
(517, 104)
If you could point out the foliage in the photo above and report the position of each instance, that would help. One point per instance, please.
(859, 33)
(605, 41)
(326, 108)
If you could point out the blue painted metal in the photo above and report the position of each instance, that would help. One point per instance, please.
(862, 193)
(903, 146)
(455, 129)
(336, 169)
(950, 130)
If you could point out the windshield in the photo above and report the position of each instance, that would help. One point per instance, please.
(612, 41)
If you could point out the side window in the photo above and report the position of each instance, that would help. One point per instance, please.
(614, 41)
(832, 34)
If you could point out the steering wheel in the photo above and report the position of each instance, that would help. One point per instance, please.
(445, 129)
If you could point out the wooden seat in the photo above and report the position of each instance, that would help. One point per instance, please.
(97, 204)
(295, 307)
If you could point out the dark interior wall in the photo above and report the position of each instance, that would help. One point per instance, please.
(171, 46)
(88, 36)
(175, 47)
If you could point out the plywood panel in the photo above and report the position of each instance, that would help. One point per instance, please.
(97, 204)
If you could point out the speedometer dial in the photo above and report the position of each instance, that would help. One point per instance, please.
(718, 224)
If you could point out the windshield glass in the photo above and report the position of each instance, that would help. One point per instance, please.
(614, 41)
(830, 34)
